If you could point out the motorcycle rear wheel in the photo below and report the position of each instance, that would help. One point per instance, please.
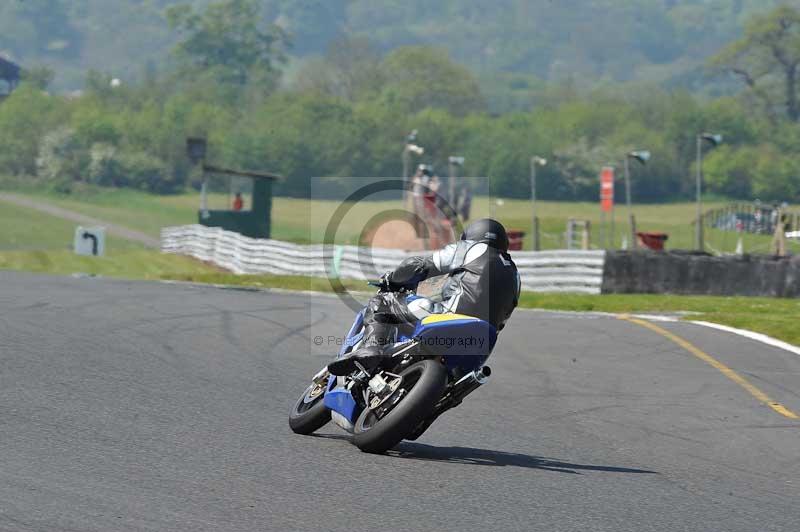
(309, 412)
(423, 382)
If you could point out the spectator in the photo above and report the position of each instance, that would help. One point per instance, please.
(432, 198)
(238, 202)
(434, 184)
(419, 185)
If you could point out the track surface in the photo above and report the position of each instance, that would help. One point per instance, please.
(147, 406)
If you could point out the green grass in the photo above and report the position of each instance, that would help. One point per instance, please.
(21, 229)
(294, 220)
(144, 212)
(24, 229)
(304, 221)
(125, 263)
(285, 282)
(36, 242)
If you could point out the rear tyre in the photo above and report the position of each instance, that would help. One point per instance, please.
(309, 413)
(423, 382)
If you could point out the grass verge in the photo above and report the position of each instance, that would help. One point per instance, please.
(24, 229)
(125, 263)
(305, 221)
(285, 282)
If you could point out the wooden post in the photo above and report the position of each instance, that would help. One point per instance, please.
(570, 232)
(603, 230)
(779, 238)
(587, 237)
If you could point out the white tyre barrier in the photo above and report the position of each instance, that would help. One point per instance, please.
(540, 271)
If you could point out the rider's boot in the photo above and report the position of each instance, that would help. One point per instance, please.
(368, 357)
(376, 337)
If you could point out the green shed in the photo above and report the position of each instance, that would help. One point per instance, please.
(255, 222)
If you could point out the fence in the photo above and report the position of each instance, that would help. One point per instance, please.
(756, 218)
(541, 271)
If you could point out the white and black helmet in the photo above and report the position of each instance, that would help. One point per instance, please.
(488, 231)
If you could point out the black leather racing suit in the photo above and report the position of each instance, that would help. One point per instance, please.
(483, 282)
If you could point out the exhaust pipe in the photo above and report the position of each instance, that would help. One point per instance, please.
(470, 382)
(462, 388)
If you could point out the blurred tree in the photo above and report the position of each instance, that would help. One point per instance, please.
(358, 68)
(312, 24)
(61, 159)
(421, 76)
(777, 175)
(747, 172)
(729, 171)
(25, 117)
(227, 41)
(38, 76)
(767, 58)
(350, 69)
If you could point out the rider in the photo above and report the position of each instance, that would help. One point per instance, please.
(482, 282)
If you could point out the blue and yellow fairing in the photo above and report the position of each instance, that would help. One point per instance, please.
(464, 341)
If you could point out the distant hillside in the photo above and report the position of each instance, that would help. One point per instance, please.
(586, 41)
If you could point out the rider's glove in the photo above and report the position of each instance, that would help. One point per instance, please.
(386, 283)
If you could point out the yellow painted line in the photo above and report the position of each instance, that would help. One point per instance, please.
(708, 359)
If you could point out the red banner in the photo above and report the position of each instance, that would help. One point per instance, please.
(607, 188)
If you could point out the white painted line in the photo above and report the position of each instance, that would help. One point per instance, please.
(758, 337)
(654, 317)
(568, 313)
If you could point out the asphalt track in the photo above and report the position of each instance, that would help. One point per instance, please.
(149, 406)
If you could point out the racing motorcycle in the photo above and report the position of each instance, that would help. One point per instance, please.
(432, 366)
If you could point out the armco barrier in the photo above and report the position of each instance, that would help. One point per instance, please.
(542, 271)
(648, 272)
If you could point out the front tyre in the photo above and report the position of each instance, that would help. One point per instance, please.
(422, 386)
(309, 413)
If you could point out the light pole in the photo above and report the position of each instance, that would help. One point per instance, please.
(642, 156)
(535, 161)
(453, 162)
(714, 139)
(409, 148)
(196, 148)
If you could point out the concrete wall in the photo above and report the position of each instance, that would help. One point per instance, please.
(650, 272)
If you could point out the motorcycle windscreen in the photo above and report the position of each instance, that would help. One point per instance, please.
(354, 335)
(464, 341)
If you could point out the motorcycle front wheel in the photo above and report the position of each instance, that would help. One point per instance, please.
(422, 386)
(309, 412)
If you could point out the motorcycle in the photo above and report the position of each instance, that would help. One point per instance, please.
(432, 366)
